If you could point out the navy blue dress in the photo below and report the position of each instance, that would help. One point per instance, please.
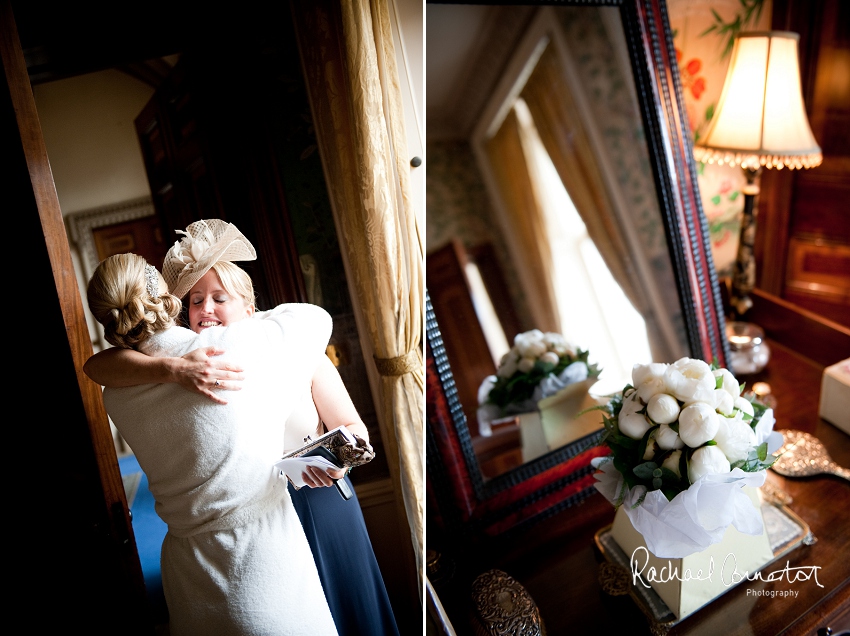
(351, 578)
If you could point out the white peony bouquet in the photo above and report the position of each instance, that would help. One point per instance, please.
(683, 442)
(537, 366)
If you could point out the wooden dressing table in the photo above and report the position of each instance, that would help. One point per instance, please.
(557, 562)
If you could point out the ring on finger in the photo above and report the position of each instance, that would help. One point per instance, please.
(217, 384)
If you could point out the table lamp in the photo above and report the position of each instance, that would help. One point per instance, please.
(760, 122)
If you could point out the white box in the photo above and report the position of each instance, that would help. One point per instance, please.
(835, 395)
(557, 422)
(684, 597)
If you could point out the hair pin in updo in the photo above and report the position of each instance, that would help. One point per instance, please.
(151, 281)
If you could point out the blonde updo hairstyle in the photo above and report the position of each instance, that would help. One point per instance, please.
(235, 281)
(119, 300)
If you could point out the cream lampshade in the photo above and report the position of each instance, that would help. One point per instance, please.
(760, 121)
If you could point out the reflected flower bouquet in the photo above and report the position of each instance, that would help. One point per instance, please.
(537, 366)
(683, 443)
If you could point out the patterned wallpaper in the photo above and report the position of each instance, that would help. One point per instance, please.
(458, 206)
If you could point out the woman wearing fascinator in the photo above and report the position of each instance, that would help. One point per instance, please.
(235, 560)
(219, 294)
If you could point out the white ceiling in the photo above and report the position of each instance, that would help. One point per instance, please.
(467, 47)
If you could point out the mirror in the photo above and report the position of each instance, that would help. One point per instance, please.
(629, 141)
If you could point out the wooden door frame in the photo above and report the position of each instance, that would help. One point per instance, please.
(73, 508)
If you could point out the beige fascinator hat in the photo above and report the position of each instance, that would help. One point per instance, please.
(204, 244)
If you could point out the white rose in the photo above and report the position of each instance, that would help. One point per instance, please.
(708, 460)
(630, 422)
(745, 406)
(735, 438)
(510, 355)
(691, 380)
(667, 438)
(523, 340)
(662, 408)
(672, 462)
(563, 350)
(729, 384)
(550, 357)
(526, 364)
(554, 340)
(723, 402)
(485, 388)
(648, 379)
(698, 423)
(508, 365)
(534, 350)
(651, 447)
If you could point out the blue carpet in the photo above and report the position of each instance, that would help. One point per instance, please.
(149, 530)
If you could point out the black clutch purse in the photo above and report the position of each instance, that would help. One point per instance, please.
(339, 447)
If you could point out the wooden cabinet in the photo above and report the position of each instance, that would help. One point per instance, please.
(803, 240)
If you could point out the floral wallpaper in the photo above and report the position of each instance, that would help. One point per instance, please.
(703, 32)
(612, 105)
(458, 206)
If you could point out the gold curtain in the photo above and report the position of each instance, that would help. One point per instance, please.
(559, 126)
(521, 200)
(349, 65)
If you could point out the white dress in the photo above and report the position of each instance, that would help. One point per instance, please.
(235, 560)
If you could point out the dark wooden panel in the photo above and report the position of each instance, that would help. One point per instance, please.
(823, 341)
(466, 347)
(487, 262)
(140, 236)
(81, 563)
(811, 205)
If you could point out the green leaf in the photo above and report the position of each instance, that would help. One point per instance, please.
(623, 467)
(644, 442)
(762, 451)
(598, 407)
(683, 467)
(645, 470)
(669, 476)
(710, 442)
(718, 383)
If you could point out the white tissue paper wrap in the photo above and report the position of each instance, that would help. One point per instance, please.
(548, 386)
(697, 517)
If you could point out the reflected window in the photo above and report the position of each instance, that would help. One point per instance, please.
(594, 312)
(497, 341)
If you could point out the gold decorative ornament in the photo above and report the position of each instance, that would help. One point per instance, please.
(504, 607)
(614, 579)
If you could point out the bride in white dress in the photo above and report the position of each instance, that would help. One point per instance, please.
(235, 560)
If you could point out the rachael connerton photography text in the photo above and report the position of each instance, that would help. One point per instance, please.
(728, 572)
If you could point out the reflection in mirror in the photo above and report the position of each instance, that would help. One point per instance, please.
(542, 210)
